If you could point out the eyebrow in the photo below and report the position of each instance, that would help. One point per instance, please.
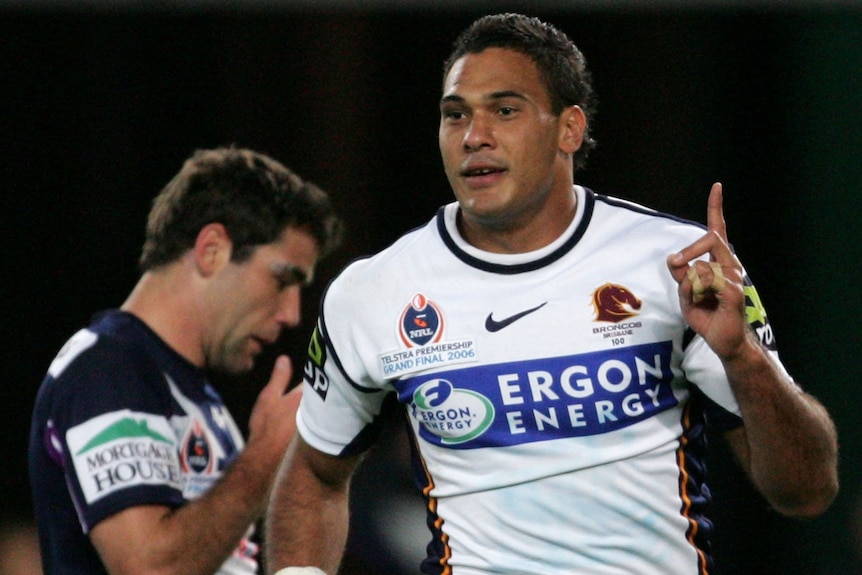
(290, 274)
(499, 95)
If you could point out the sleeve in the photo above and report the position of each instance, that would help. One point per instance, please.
(703, 368)
(110, 424)
(340, 409)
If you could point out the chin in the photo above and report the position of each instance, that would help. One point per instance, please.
(236, 366)
(246, 366)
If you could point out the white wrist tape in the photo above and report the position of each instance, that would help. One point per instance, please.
(300, 571)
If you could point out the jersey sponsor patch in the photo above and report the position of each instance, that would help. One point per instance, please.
(314, 374)
(537, 400)
(755, 314)
(123, 449)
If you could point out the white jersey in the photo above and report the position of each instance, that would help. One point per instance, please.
(550, 394)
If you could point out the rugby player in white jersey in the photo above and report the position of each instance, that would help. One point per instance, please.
(556, 359)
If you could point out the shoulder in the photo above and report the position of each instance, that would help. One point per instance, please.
(94, 350)
(635, 222)
(641, 212)
(405, 254)
(100, 370)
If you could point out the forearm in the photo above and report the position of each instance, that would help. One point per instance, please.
(306, 529)
(221, 517)
(790, 446)
(307, 520)
(155, 539)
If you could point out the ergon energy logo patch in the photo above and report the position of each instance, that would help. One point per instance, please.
(123, 449)
(547, 398)
(453, 415)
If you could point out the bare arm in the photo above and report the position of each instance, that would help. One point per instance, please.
(198, 537)
(788, 445)
(307, 521)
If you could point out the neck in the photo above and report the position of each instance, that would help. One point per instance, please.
(169, 311)
(530, 231)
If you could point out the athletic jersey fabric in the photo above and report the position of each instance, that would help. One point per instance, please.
(557, 398)
(122, 420)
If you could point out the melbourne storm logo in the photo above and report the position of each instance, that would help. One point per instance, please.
(448, 415)
(420, 322)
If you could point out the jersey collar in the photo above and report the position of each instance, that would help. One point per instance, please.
(515, 263)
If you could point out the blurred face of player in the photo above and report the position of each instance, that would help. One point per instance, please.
(499, 140)
(255, 299)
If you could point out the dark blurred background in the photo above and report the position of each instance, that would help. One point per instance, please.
(100, 103)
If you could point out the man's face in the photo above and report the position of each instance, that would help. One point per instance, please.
(252, 301)
(498, 137)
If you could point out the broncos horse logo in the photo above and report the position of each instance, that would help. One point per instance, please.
(614, 303)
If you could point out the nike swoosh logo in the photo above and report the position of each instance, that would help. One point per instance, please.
(492, 325)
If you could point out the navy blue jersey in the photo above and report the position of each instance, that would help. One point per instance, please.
(122, 420)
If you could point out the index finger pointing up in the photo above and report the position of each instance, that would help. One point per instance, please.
(715, 212)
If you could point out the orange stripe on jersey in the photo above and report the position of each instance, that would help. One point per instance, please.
(432, 510)
(693, 525)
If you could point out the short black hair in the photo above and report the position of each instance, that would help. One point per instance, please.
(561, 64)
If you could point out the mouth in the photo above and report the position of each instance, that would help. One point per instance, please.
(482, 175)
(255, 346)
(259, 343)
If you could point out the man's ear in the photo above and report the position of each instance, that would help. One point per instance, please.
(573, 124)
(212, 248)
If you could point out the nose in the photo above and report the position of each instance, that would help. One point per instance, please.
(289, 307)
(479, 133)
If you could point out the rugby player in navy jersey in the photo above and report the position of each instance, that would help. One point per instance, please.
(136, 464)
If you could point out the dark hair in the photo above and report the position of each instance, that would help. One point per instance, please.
(252, 195)
(561, 65)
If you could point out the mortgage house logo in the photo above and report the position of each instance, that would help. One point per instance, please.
(123, 449)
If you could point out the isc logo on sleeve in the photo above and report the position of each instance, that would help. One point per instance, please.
(123, 449)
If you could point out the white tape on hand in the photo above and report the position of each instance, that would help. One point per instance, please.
(300, 571)
(698, 291)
